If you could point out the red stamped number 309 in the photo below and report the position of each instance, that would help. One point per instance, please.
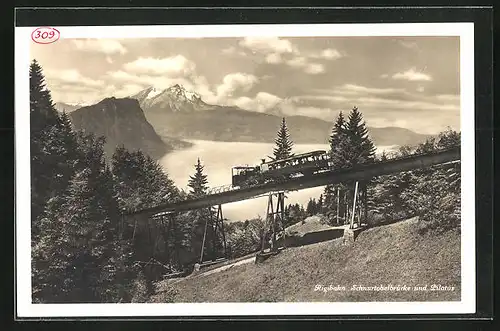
(45, 35)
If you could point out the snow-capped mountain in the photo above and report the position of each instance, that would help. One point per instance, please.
(175, 98)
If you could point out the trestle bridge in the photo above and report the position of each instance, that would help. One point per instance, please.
(218, 196)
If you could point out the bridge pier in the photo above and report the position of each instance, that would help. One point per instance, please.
(272, 216)
(216, 228)
(169, 235)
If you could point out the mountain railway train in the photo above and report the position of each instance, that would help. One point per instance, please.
(297, 165)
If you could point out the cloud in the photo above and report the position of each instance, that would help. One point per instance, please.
(71, 77)
(379, 99)
(412, 75)
(262, 102)
(231, 50)
(297, 62)
(301, 62)
(322, 113)
(175, 66)
(358, 89)
(409, 44)
(158, 81)
(448, 97)
(127, 90)
(327, 54)
(106, 46)
(274, 58)
(277, 51)
(236, 82)
(109, 59)
(314, 68)
(77, 93)
(319, 97)
(267, 45)
(405, 105)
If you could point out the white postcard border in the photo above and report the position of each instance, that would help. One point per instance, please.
(25, 308)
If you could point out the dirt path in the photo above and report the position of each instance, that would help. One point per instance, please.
(227, 266)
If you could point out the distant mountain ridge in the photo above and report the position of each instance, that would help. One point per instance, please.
(179, 113)
(67, 107)
(122, 122)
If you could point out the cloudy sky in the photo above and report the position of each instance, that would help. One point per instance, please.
(410, 82)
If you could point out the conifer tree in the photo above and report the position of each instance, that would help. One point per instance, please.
(42, 111)
(75, 260)
(52, 147)
(339, 128)
(341, 145)
(198, 182)
(198, 185)
(364, 149)
(341, 153)
(310, 207)
(283, 142)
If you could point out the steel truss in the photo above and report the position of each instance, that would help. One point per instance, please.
(216, 228)
(274, 216)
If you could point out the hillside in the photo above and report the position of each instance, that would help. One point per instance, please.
(122, 121)
(387, 255)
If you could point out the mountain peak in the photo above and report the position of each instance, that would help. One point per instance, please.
(175, 98)
(180, 92)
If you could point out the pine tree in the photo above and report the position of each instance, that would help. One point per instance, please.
(52, 147)
(42, 111)
(339, 128)
(198, 185)
(362, 144)
(341, 145)
(320, 204)
(310, 207)
(198, 182)
(283, 142)
(364, 150)
(76, 258)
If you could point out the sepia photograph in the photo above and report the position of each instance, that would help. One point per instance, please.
(290, 165)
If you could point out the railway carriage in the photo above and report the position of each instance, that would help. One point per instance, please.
(305, 164)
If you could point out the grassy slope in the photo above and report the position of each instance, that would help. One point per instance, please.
(391, 254)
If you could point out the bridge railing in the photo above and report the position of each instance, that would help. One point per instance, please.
(221, 189)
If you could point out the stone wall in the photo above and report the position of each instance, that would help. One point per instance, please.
(311, 237)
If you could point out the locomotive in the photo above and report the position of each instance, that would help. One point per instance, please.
(277, 170)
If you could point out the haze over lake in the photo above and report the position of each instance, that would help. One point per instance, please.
(218, 158)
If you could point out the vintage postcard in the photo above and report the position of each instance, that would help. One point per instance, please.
(322, 169)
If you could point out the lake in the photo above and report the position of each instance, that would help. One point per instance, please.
(218, 157)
